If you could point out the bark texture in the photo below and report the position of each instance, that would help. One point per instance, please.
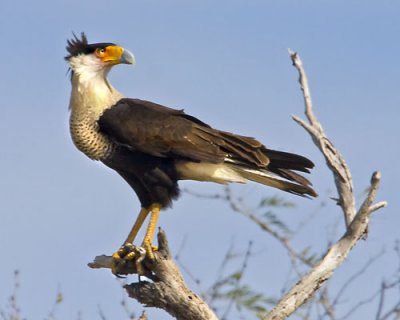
(167, 289)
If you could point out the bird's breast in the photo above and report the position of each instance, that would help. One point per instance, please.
(87, 138)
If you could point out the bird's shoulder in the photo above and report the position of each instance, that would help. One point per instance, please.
(137, 110)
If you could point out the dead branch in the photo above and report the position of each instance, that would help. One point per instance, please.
(356, 222)
(334, 159)
(167, 290)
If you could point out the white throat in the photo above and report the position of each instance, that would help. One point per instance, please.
(91, 95)
(91, 92)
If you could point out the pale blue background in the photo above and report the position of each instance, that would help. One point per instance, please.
(225, 62)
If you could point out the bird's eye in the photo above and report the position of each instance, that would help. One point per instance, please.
(100, 52)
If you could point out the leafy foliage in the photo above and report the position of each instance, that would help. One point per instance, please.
(275, 202)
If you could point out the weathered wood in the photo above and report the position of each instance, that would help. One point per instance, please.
(167, 290)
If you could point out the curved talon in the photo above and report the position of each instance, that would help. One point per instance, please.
(115, 264)
(130, 256)
(119, 258)
(129, 253)
(139, 260)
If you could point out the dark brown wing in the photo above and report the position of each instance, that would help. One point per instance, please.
(165, 132)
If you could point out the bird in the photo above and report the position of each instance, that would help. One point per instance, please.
(152, 146)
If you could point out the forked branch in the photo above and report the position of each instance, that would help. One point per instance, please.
(356, 221)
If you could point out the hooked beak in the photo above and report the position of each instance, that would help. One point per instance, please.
(115, 55)
(127, 57)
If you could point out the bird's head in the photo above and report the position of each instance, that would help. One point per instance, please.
(85, 58)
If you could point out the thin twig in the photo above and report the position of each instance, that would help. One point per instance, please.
(355, 276)
(241, 272)
(284, 241)
(357, 306)
(233, 202)
(184, 267)
(329, 307)
(382, 295)
(214, 289)
(377, 206)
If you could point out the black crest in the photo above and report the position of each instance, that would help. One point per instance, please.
(76, 46)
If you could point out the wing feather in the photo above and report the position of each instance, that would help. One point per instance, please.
(165, 132)
(161, 131)
(207, 153)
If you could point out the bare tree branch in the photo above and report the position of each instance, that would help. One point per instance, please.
(168, 290)
(334, 159)
(356, 222)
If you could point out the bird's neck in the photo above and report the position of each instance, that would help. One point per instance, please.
(91, 95)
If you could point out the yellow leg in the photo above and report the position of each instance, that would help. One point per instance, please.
(122, 252)
(138, 224)
(151, 228)
(125, 253)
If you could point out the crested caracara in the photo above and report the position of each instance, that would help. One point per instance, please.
(153, 147)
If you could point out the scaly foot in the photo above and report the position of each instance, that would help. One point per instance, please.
(150, 249)
(128, 254)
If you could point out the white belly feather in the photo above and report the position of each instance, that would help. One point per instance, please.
(201, 171)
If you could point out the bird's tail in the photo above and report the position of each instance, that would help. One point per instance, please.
(273, 180)
(279, 173)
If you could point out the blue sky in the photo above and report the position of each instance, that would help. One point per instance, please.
(225, 62)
